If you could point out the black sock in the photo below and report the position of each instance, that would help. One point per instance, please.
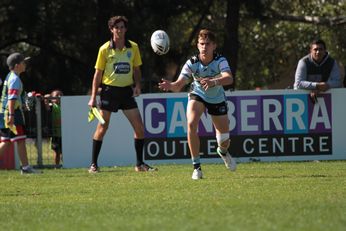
(197, 166)
(139, 144)
(96, 151)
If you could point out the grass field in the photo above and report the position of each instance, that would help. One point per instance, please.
(259, 196)
(47, 152)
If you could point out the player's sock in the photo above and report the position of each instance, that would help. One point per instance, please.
(139, 144)
(96, 150)
(196, 162)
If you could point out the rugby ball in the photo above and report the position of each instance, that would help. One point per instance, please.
(160, 42)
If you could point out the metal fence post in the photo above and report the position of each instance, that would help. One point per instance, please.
(38, 110)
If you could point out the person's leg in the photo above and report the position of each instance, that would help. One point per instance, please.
(56, 158)
(136, 122)
(223, 140)
(23, 156)
(194, 112)
(56, 147)
(135, 119)
(100, 132)
(101, 129)
(4, 146)
(221, 125)
(5, 140)
(59, 151)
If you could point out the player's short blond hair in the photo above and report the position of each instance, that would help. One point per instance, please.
(206, 34)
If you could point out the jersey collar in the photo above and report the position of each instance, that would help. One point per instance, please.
(112, 44)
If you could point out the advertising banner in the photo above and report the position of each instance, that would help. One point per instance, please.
(268, 125)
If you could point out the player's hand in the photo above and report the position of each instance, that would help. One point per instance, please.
(10, 121)
(165, 85)
(207, 83)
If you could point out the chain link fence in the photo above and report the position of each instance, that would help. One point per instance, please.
(39, 130)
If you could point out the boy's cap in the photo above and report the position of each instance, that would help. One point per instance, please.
(15, 58)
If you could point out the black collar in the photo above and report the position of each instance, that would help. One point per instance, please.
(112, 44)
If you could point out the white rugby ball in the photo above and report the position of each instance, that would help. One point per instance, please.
(160, 42)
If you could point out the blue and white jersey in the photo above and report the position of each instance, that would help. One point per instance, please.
(194, 69)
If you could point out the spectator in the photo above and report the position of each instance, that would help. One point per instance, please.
(12, 122)
(53, 106)
(317, 71)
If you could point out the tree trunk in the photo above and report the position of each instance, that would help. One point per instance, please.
(231, 43)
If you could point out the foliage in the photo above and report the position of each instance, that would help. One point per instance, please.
(63, 37)
(270, 49)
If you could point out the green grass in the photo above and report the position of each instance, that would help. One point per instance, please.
(47, 152)
(259, 196)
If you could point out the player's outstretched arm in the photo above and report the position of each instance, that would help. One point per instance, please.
(176, 86)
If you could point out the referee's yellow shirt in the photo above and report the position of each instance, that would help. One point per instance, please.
(117, 65)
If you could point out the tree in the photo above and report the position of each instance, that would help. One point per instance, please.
(263, 39)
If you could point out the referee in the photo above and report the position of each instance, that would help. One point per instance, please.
(118, 74)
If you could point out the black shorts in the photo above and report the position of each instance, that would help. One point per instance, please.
(212, 109)
(115, 98)
(7, 135)
(56, 144)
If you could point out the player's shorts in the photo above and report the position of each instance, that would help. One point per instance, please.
(212, 109)
(6, 135)
(56, 144)
(117, 98)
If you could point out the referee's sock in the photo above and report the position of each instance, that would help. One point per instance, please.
(139, 145)
(96, 151)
